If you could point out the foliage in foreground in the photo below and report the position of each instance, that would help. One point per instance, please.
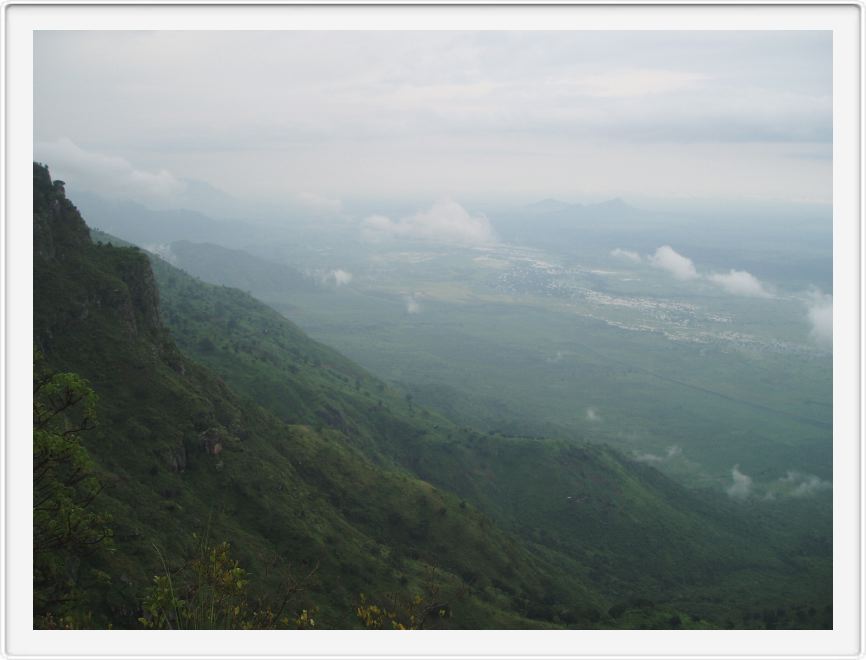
(66, 529)
(210, 591)
(399, 611)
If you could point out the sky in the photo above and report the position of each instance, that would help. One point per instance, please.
(317, 118)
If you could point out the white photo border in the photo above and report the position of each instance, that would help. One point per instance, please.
(20, 19)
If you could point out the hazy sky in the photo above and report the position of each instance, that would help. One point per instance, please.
(317, 117)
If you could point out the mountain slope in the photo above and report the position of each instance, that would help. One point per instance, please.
(633, 532)
(236, 268)
(321, 463)
(181, 452)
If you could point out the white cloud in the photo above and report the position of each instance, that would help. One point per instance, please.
(412, 305)
(111, 176)
(341, 277)
(445, 222)
(820, 314)
(672, 452)
(666, 258)
(592, 415)
(628, 255)
(797, 484)
(742, 486)
(740, 283)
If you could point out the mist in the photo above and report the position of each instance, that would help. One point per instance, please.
(548, 304)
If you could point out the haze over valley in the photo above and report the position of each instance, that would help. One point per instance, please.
(467, 330)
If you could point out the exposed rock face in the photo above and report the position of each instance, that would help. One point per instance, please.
(138, 301)
(176, 458)
(210, 441)
(214, 440)
(62, 240)
(58, 228)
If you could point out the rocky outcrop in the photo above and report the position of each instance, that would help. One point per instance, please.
(58, 228)
(111, 280)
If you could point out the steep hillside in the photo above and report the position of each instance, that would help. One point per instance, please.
(182, 453)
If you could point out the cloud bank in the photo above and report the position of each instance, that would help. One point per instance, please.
(458, 111)
(444, 222)
(740, 283)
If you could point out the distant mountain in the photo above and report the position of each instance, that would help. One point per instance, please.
(549, 206)
(236, 268)
(616, 204)
(552, 224)
(144, 226)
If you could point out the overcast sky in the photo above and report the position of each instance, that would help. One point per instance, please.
(319, 117)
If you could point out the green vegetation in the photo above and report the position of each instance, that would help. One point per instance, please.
(66, 528)
(218, 414)
(210, 592)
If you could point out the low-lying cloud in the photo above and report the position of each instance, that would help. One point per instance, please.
(646, 457)
(741, 488)
(628, 255)
(111, 176)
(740, 283)
(797, 484)
(444, 222)
(412, 305)
(668, 259)
(164, 252)
(735, 282)
(820, 315)
(339, 277)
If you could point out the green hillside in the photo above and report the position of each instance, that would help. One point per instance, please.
(236, 268)
(635, 533)
(220, 417)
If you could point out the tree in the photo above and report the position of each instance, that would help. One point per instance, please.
(65, 528)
